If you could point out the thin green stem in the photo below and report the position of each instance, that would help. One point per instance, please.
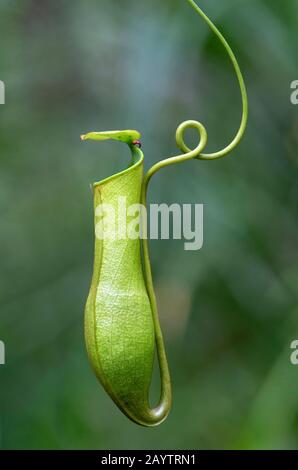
(188, 154)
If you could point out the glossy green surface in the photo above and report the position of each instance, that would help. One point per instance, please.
(123, 136)
(118, 320)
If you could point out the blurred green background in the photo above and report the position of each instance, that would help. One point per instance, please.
(229, 311)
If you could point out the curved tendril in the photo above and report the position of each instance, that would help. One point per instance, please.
(225, 151)
(188, 154)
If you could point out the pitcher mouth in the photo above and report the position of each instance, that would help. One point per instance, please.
(129, 137)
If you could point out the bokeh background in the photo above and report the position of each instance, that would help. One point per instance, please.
(229, 311)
